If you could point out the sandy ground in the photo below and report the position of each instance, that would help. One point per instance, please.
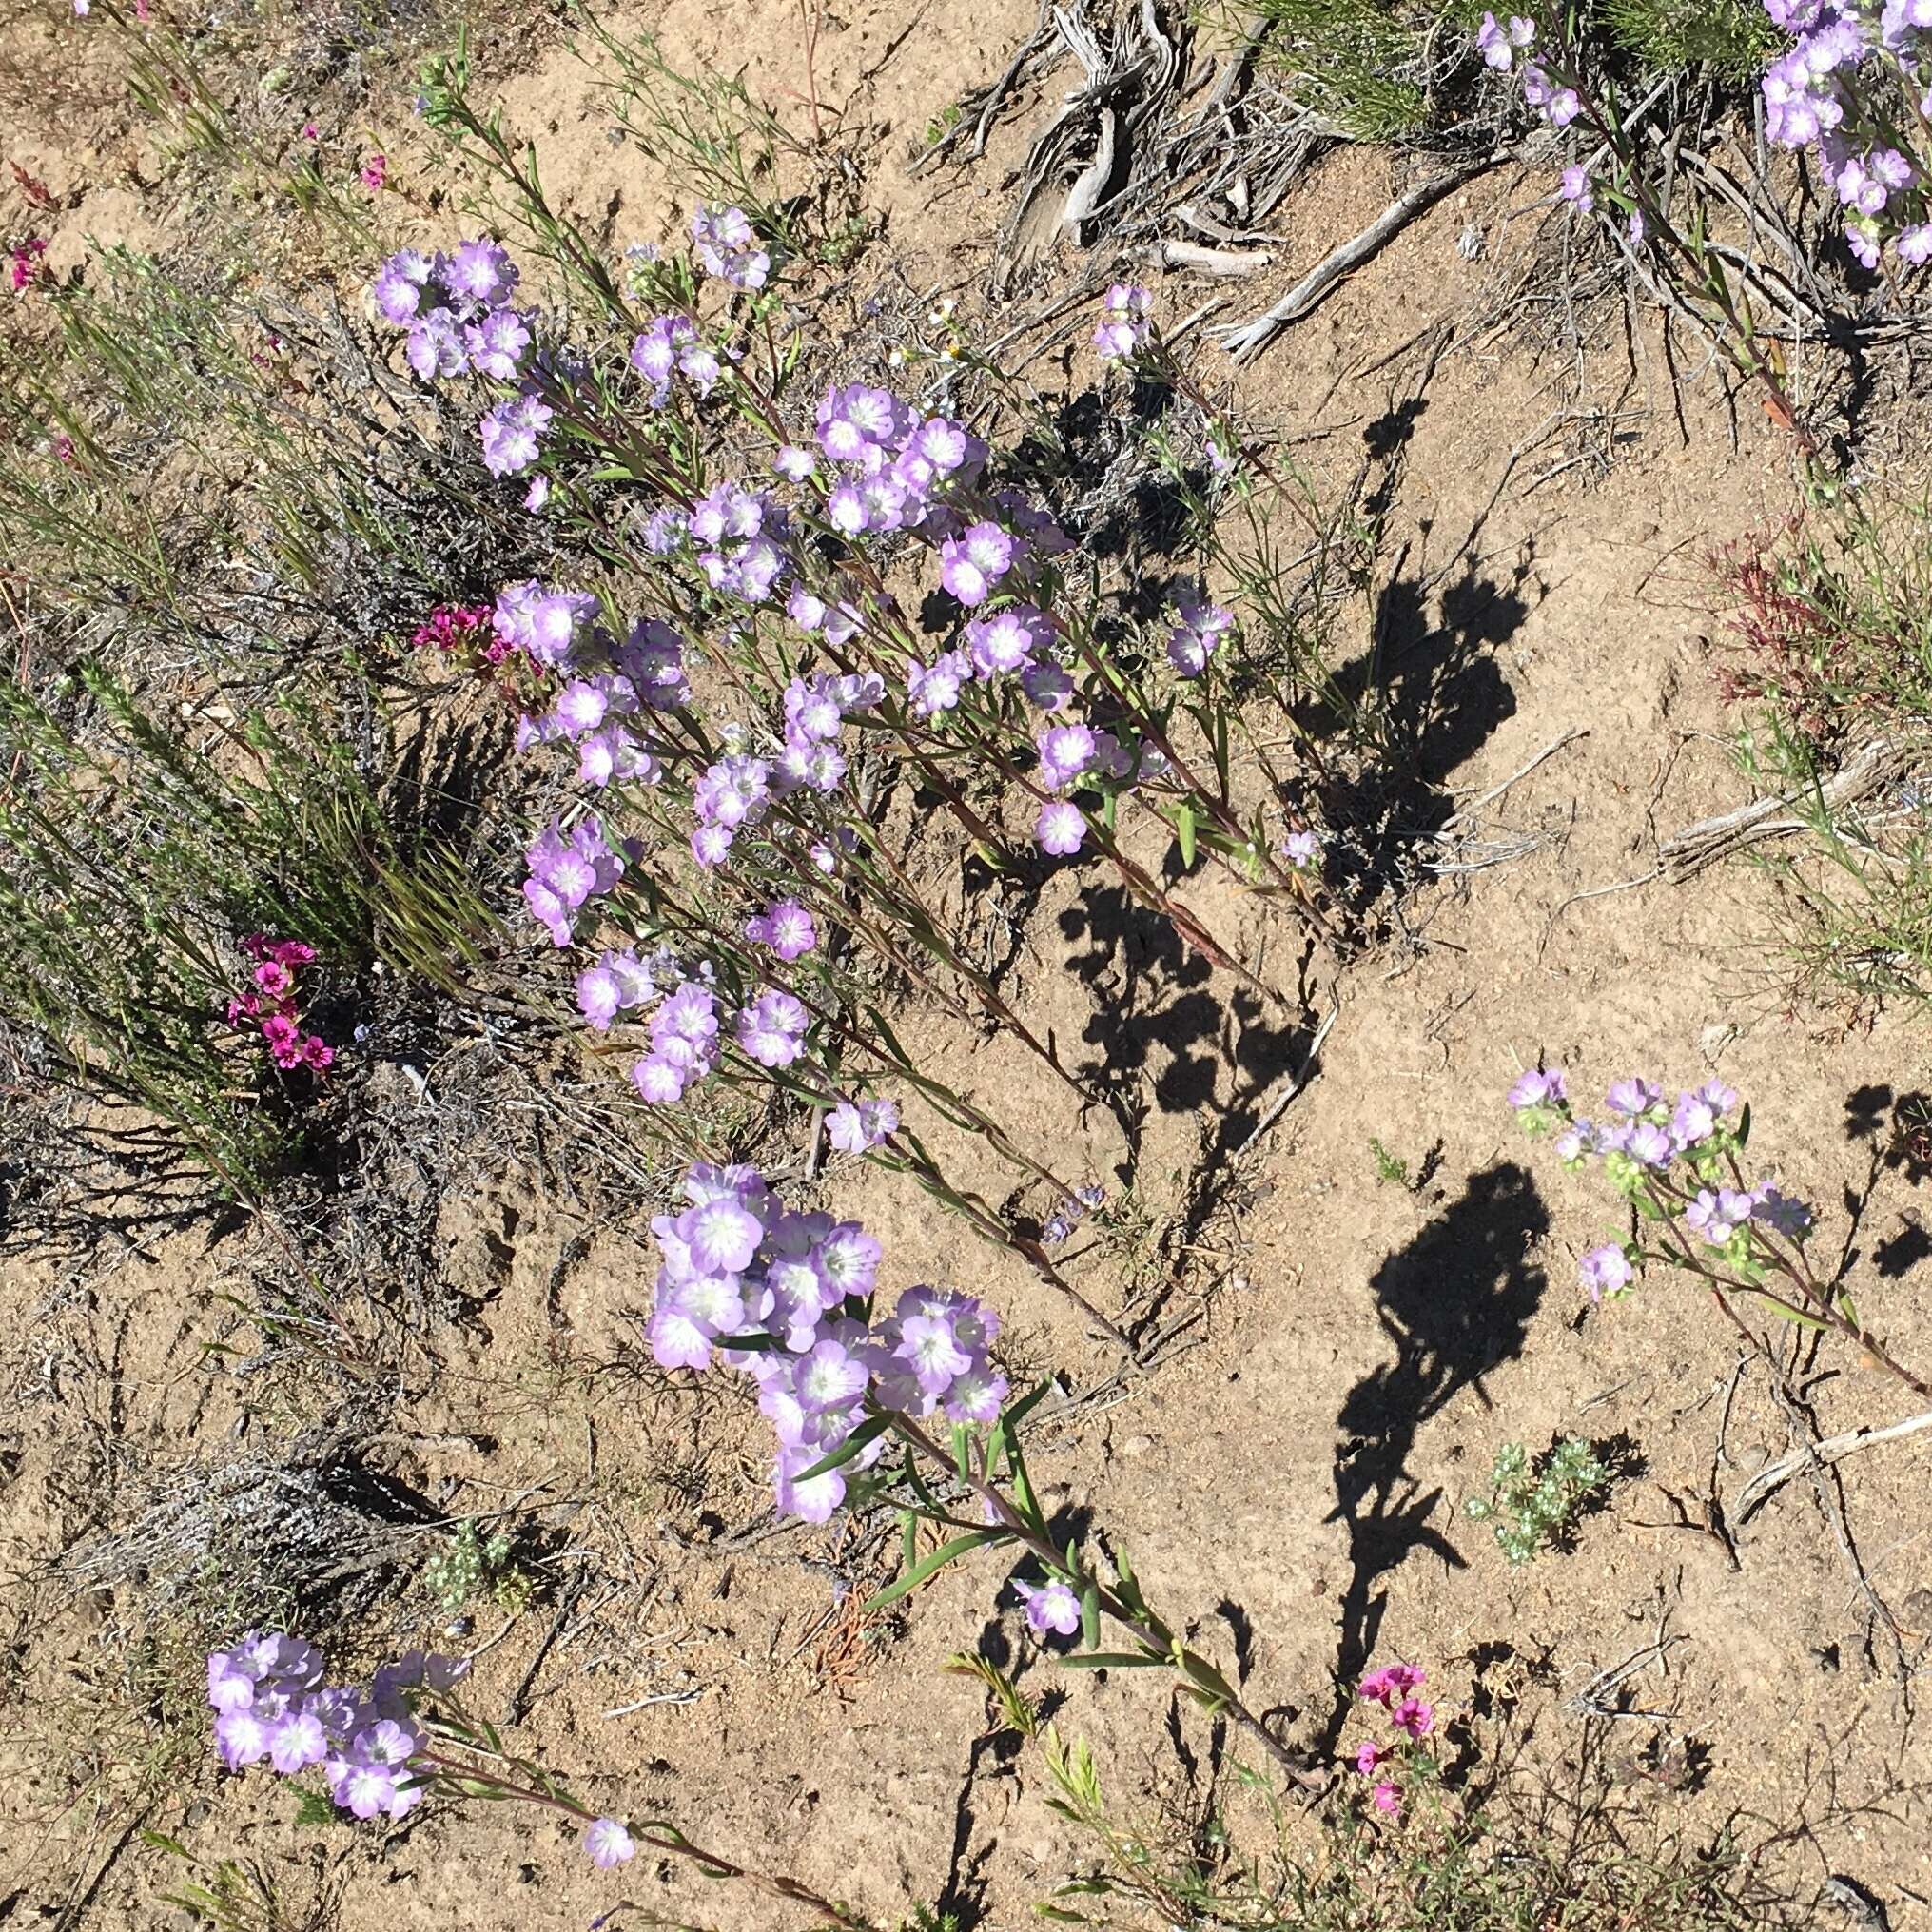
(1291, 1484)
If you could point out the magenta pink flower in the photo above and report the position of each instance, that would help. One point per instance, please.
(274, 979)
(1413, 1717)
(25, 261)
(1369, 1756)
(1387, 1797)
(1391, 1684)
(375, 172)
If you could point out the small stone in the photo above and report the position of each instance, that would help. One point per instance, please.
(1137, 1445)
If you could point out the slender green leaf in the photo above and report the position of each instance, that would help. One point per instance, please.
(926, 1566)
(868, 1431)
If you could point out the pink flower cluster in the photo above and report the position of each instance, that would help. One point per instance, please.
(456, 627)
(1394, 1688)
(270, 1004)
(1124, 330)
(24, 263)
(1852, 88)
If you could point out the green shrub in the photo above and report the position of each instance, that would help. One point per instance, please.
(1534, 1507)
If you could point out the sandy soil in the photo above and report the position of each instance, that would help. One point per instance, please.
(1291, 1484)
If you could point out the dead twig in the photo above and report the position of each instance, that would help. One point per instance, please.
(1816, 1455)
(1829, 1490)
(1310, 1065)
(1589, 1701)
(1495, 791)
(1245, 340)
(1688, 852)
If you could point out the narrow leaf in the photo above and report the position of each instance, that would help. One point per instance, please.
(926, 1566)
(869, 1431)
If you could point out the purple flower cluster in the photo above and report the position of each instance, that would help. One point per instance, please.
(1073, 754)
(1501, 44)
(602, 683)
(738, 1264)
(566, 873)
(726, 245)
(772, 1029)
(784, 928)
(1124, 328)
(735, 793)
(1854, 88)
(1200, 632)
(683, 1044)
(739, 537)
(1688, 1146)
(619, 982)
(671, 347)
(896, 470)
(457, 309)
(270, 1703)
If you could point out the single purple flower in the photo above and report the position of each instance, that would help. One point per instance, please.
(1060, 827)
(607, 1844)
(787, 927)
(1537, 1087)
(1052, 1606)
(1633, 1096)
(1606, 1271)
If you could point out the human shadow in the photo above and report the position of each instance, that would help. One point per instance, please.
(1455, 1302)
(1432, 674)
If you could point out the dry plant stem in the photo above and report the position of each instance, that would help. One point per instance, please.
(659, 1840)
(989, 994)
(1148, 1630)
(1832, 1449)
(993, 1229)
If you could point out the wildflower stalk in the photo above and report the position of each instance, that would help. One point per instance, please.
(904, 1153)
(1679, 1170)
(1122, 1601)
(1817, 1305)
(1701, 274)
(463, 1778)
